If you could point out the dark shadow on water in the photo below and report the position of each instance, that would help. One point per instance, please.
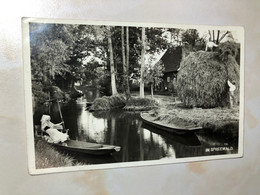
(189, 139)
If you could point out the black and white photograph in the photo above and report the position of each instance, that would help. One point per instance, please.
(107, 95)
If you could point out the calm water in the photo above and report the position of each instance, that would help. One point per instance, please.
(138, 141)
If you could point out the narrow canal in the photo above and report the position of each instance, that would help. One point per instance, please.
(138, 141)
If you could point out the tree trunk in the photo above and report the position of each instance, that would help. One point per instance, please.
(142, 64)
(213, 35)
(125, 70)
(210, 39)
(115, 64)
(223, 36)
(123, 49)
(152, 90)
(217, 41)
(128, 94)
(112, 67)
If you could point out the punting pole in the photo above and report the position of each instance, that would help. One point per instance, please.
(61, 114)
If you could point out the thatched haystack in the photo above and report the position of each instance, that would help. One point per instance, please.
(229, 48)
(202, 79)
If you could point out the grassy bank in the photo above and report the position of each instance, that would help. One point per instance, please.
(47, 157)
(215, 120)
(108, 103)
(140, 104)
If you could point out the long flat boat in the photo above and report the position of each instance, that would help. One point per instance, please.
(79, 146)
(86, 147)
(171, 128)
(187, 139)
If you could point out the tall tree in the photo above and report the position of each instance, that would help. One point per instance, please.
(128, 94)
(153, 74)
(142, 63)
(192, 41)
(123, 54)
(111, 60)
(50, 49)
(125, 60)
(190, 36)
(149, 41)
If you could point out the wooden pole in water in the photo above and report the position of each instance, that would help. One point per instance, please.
(63, 124)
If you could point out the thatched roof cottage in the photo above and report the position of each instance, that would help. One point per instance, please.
(171, 60)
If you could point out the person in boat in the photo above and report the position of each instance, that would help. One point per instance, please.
(51, 129)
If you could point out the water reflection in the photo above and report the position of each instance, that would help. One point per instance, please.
(89, 127)
(123, 129)
(137, 140)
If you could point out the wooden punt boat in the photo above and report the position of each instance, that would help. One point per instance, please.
(79, 146)
(171, 128)
(86, 147)
(187, 139)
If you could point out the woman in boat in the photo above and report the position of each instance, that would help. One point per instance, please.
(51, 129)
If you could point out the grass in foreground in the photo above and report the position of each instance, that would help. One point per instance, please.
(47, 157)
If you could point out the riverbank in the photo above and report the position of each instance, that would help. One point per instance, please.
(223, 121)
(168, 110)
(140, 104)
(119, 102)
(47, 157)
(108, 103)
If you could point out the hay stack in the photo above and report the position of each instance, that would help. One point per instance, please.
(229, 48)
(202, 79)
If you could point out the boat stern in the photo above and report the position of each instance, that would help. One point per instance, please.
(117, 148)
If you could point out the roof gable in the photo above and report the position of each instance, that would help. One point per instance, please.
(172, 59)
